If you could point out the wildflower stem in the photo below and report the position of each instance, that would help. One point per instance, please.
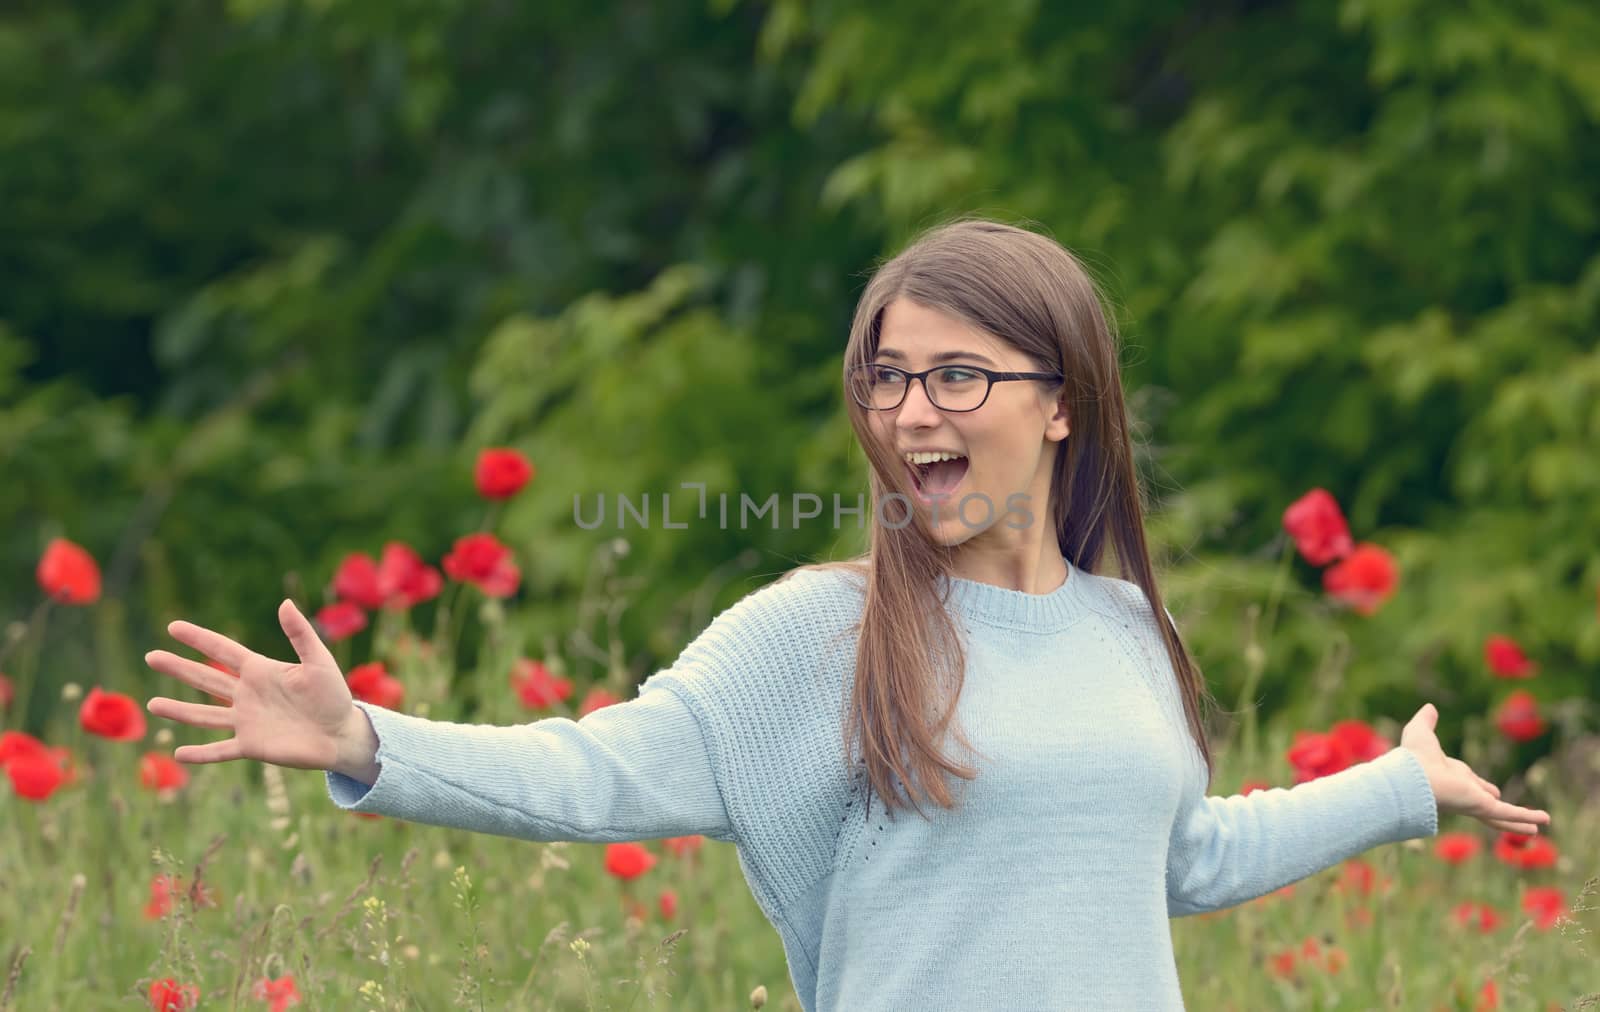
(14, 975)
(32, 634)
(1255, 652)
(70, 911)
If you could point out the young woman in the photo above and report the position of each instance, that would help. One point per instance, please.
(982, 381)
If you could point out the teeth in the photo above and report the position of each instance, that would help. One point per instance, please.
(929, 458)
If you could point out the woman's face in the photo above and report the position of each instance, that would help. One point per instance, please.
(1009, 443)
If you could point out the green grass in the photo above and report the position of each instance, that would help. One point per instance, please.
(437, 918)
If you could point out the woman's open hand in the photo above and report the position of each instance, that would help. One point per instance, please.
(1457, 788)
(299, 715)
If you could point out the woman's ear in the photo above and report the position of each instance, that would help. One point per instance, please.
(1059, 424)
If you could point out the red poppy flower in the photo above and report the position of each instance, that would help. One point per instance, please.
(111, 715)
(1518, 717)
(1456, 848)
(1358, 878)
(1478, 916)
(1316, 755)
(164, 889)
(356, 581)
(481, 559)
(280, 993)
(341, 620)
(1335, 959)
(400, 580)
(501, 473)
(68, 573)
(8, 692)
(683, 846)
(536, 686)
(372, 683)
(1506, 659)
(596, 699)
(1526, 852)
(35, 776)
(169, 996)
(1545, 904)
(503, 581)
(628, 860)
(1364, 580)
(1489, 997)
(1318, 527)
(1281, 963)
(14, 744)
(1251, 786)
(1358, 737)
(668, 904)
(404, 578)
(160, 772)
(474, 557)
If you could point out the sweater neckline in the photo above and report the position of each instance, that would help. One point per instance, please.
(985, 602)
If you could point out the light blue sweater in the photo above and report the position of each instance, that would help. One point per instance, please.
(1049, 886)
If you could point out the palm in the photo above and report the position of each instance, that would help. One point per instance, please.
(282, 713)
(1458, 789)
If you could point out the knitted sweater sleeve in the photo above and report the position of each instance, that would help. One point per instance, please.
(634, 770)
(732, 741)
(1224, 851)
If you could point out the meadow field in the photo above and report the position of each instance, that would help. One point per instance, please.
(373, 913)
(129, 878)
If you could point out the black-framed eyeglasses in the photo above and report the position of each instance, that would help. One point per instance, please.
(949, 387)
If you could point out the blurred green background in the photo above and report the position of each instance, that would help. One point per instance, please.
(272, 273)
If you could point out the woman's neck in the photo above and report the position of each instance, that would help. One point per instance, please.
(1038, 571)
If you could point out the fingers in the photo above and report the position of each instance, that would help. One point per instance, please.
(1512, 819)
(192, 673)
(212, 644)
(1525, 828)
(212, 752)
(302, 636)
(193, 714)
(1511, 813)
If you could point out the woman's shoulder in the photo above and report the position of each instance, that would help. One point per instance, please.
(845, 580)
(788, 639)
(807, 592)
(792, 614)
(1115, 598)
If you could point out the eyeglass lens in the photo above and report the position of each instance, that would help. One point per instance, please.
(952, 388)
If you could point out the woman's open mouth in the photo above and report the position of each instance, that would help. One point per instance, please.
(937, 481)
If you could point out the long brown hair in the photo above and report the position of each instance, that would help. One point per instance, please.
(1030, 292)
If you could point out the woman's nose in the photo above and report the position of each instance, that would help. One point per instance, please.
(917, 410)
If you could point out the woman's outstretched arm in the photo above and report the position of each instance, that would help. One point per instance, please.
(1224, 851)
(630, 771)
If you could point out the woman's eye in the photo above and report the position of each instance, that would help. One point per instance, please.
(957, 375)
(885, 376)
